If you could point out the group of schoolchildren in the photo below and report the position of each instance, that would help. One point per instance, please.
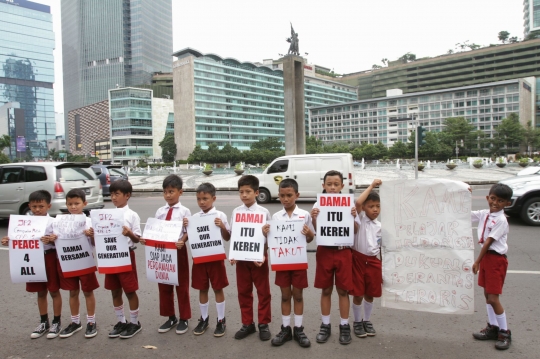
(355, 270)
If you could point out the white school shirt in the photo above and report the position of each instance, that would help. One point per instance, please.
(49, 230)
(132, 221)
(298, 213)
(496, 228)
(178, 214)
(219, 215)
(254, 208)
(368, 238)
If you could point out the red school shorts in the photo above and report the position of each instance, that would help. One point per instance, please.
(203, 274)
(296, 278)
(88, 282)
(53, 281)
(367, 275)
(333, 262)
(492, 273)
(127, 281)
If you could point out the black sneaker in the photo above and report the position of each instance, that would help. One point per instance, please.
(118, 329)
(131, 330)
(182, 327)
(359, 329)
(70, 330)
(245, 331)
(283, 336)
(491, 332)
(324, 333)
(55, 330)
(300, 337)
(201, 327)
(168, 325)
(41, 329)
(264, 332)
(220, 328)
(504, 340)
(91, 330)
(368, 327)
(345, 334)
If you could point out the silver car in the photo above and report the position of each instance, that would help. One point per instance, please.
(18, 180)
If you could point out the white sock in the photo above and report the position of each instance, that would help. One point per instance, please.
(134, 316)
(357, 311)
(119, 311)
(325, 319)
(298, 320)
(220, 310)
(91, 318)
(76, 319)
(204, 310)
(491, 315)
(286, 320)
(344, 321)
(368, 308)
(501, 319)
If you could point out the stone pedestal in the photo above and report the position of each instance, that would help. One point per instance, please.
(293, 88)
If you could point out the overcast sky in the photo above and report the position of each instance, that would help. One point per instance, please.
(344, 35)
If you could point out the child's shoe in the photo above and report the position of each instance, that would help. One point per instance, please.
(182, 326)
(71, 329)
(168, 325)
(504, 340)
(201, 327)
(220, 328)
(41, 329)
(300, 337)
(245, 331)
(264, 332)
(345, 334)
(359, 330)
(130, 330)
(324, 333)
(491, 332)
(118, 329)
(283, 336)
(368, 327)
(91, 330)
(55, 330)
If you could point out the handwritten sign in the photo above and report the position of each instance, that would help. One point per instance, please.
(72, 246)
(26, 255)
(247, 239)
(160, 249)
(335, 224)
(287, 245)
(112, 250)
(205, 239)
(427, 246)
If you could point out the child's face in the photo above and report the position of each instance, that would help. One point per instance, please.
(172, 195)
(39, 208)
(372, 209)
(496, 203)
(288, 197)
(205, 201)
(120, 199)
(248, 195)
(333, 184)
(75, 205)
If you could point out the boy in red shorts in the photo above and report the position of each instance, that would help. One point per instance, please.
(367, 267)
(491, 264)
(203, 274)
(334, 262)
(292, 282)
(39, 203)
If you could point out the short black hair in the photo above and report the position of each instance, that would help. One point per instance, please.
(173, 181)
(207, 188)
(41, 195)
(502, 191)
(289, 183)
(123, 186)
(76, 193)
(333, 173)
(373, 196)
(249, 180)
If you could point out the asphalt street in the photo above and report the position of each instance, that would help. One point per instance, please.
(400, 334)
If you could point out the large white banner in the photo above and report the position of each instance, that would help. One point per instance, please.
(335, 224)
(287, 245)
(26, 255)
(205, 239)
(247, 238)
(427, 246)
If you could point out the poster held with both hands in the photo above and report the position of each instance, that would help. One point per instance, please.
(335, 223)
(205, 241)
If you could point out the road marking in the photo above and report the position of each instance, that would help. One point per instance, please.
(523, 272)
(4, 249)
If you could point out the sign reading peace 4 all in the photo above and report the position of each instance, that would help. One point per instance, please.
(287, 245)
(205, 239)
(247, 239)
(26, 258)
(335, 224)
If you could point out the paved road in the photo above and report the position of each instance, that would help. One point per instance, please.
(402, 334)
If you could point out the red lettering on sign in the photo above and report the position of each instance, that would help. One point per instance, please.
(336, 201)
(249, 218)
(22, 244)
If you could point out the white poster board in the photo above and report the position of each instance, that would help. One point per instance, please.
(335, 224)
(204, 239)
(112, 249)
(26, 254)
(247, 238)
(287, 245)
(427, 245)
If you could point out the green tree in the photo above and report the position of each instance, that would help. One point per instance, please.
(458, 130)
(314, 145)
(197, 155)
(3, 158)
(230, 153)
(5, 141)
(510, 134)
(370, 151)
(530, 137)
(398, 150)
(270, 143)
(168, 148)
(503, 36)
(408, 57)
(382, 150)
(532, 35)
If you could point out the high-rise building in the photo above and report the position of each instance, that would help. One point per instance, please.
(27, 77)
(531, 16)
(111, 44)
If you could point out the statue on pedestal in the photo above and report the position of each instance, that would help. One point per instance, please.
(294, 48)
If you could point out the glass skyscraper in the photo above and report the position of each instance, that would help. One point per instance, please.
(27, 76)
(531, 16)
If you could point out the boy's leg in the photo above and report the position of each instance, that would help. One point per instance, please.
(182, 291)
(298, 330)
(373, 289)
(218, 277)
(286, 333)
(42, 304)
(56, 327)
(74, 305)
(133, 300)
(244, 285)
(261, 279)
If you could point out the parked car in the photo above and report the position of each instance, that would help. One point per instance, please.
(18, 180)
(108, 174)
(525, 198)
(531, 170)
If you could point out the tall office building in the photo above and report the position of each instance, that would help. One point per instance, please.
(531, 16)
(110, 44)
(26, 77)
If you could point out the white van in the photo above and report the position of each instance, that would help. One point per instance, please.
(308, 171)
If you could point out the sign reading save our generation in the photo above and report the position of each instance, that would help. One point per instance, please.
(205, 239)
(287, 245)
(335, 224)
(247, 238)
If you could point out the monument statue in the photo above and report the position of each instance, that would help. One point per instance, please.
(293, 48)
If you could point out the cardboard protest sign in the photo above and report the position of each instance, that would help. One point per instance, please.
(72, 246)
(247, 239)
(427, 245)
(160, 249)
(205, 239)
(287, 245)
(335, 224)
(26, 255)
(112, 250)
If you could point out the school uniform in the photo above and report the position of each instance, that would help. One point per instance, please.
(247, 274)
(166, 291)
